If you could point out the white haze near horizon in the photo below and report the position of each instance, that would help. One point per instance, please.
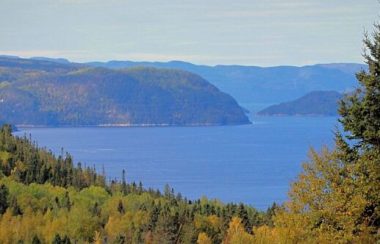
(247, 32)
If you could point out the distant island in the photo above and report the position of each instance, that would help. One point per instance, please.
(42, 92)
(321, 103)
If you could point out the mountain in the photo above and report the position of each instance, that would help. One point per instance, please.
(48, 93)
(57, 60)
(323, 103)
(256, 87)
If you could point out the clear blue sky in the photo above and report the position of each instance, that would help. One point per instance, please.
(250, 32)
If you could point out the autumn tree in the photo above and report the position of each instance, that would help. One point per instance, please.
(336, 197)
(203, 239)
(236, 233)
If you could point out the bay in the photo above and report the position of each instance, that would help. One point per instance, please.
(253, 164)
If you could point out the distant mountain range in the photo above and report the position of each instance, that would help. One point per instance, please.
(257, 87)
(254, 88)
(55, 92)
(321, 103)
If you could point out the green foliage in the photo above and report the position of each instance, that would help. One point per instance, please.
(361, 111)
(27, 163)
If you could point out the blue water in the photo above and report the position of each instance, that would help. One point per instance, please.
(253, 164)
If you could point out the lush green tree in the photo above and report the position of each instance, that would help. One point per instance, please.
(360, 111)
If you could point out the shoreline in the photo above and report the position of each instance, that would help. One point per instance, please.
(27, 126)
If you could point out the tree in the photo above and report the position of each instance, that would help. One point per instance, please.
(360, 117)
(360, 111)
(3, 198)
(236, 233)
(124, 189)
(16, 209)
(57, 239)
(66, 240)
(36, 240)
(203, 239)
(66, 203)
(120, 207)
(336, 197)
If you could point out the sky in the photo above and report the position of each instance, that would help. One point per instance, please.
(245, 32)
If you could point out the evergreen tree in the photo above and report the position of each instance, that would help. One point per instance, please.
(36, 240)
(57, 239)
(66, 203)
(16, 210)
(243, 215)
(124, 189)
(361, 111)
(120, 207)
(3, 198)
(66, 240)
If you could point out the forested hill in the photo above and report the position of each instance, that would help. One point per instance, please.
(323, 103)
(48, 199)
(56, 93)
(251, 85)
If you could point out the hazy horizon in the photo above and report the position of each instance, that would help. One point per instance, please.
(244, 32)
(168, 61)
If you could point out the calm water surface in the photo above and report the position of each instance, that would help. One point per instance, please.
(253, 164)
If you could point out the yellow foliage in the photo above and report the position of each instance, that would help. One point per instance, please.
(236, 233)
(203, 239)
(98, 238)
(326, 203)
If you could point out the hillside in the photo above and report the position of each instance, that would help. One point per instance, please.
(45, 93)
(324, 103)
(49, 199)
(253, 86)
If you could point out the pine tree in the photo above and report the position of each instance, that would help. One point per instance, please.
(3, 198)
(57, 239)
(66, 203)
(120, 207)
(16, 210)
(361, 111)
(124, 189)
(36, 240)
(66, 240)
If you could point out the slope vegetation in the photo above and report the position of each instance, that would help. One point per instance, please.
(324, 103)
(40, 92)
